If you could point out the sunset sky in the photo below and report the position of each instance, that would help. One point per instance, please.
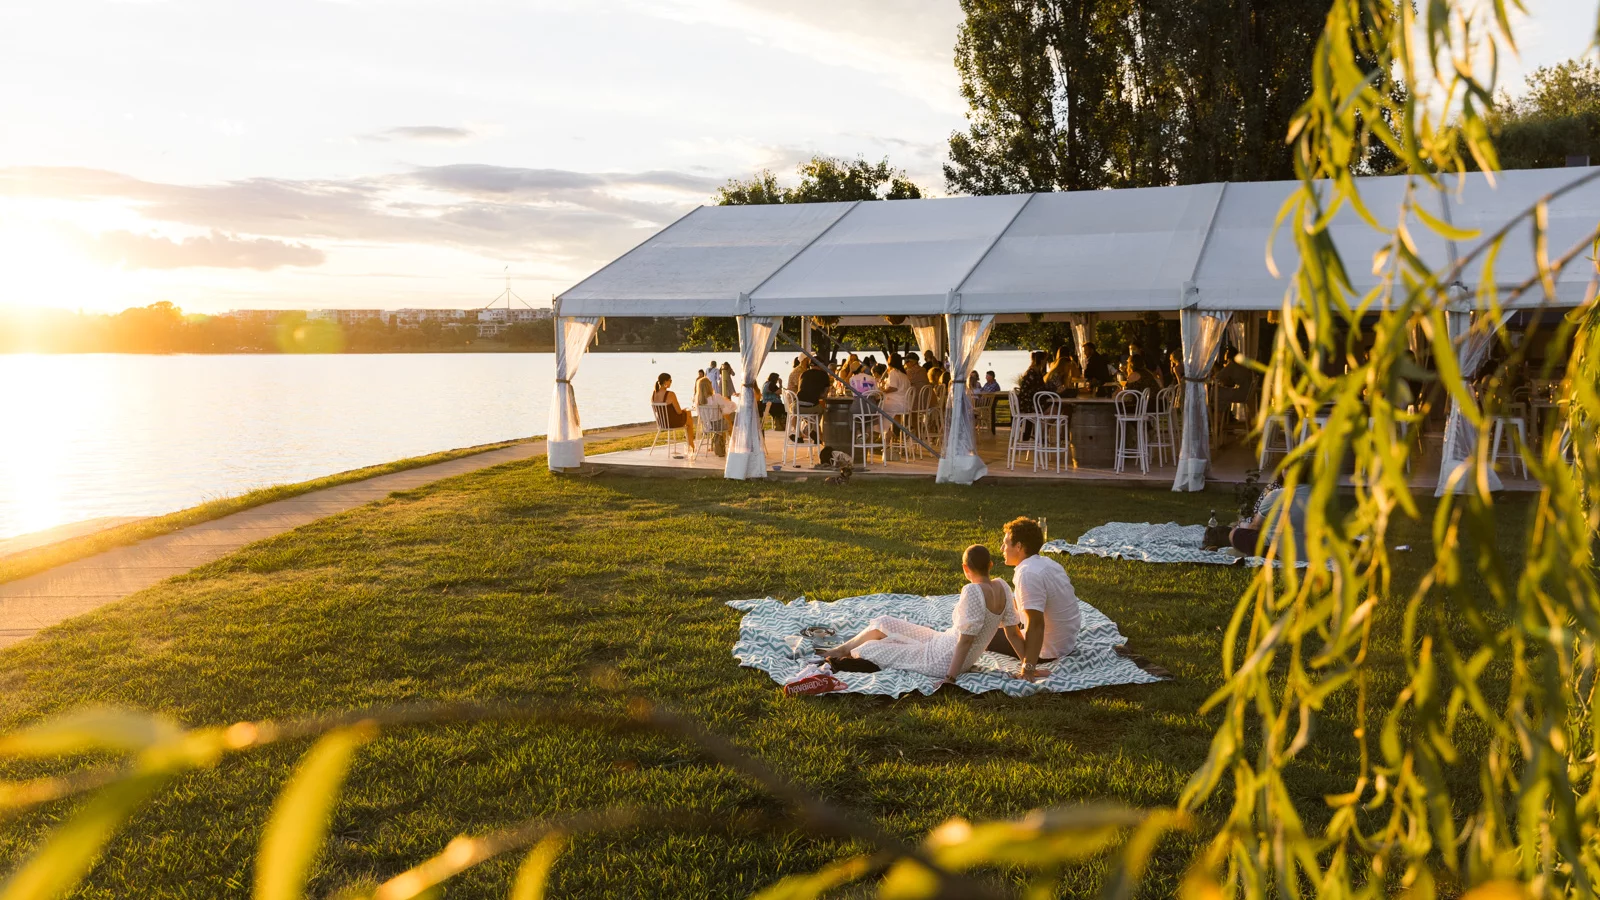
(359, 153)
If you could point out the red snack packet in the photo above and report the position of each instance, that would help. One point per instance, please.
(814, 684)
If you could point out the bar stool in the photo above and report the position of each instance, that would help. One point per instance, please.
(1050, 440)
(1131, 438)
(866, 431)
(1020, 422)
(795, 430)
(1520, 441)
(1161, 422)
(1279, 424)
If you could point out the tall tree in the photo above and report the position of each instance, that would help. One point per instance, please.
(1082, 94)
(1556, 116)
(823, 179)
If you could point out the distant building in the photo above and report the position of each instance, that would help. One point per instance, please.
(348, 316)
(494, 320)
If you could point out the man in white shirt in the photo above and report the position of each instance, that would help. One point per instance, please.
(1046, 602)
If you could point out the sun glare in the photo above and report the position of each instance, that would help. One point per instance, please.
(40, 267)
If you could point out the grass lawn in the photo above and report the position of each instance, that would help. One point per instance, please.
(511, 584)
(37, 559)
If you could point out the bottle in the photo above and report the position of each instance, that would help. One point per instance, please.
(1213, 522)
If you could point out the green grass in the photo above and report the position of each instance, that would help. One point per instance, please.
(511, 584)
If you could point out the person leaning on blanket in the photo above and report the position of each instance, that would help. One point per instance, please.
(1046, 603)
(1268, 518)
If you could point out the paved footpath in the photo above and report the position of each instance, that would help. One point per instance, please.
(53, 596)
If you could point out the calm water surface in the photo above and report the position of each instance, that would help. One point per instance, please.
(84, 436)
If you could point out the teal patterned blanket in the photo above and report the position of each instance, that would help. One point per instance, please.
(1144, 542)
(771, 639)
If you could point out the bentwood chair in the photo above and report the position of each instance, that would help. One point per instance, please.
(867, 430)
(673, 435)
(1131, 434)
(801, 429)
(711, 424)
(1050, 445)
(1163, 425)
(1024, 431)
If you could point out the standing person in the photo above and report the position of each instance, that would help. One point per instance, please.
(1097, 370)
(1047, 605)
(1136, 355)
(725, 387)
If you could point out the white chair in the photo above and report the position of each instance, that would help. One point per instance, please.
(867, 431)
(1278, 425)
(982, 411)
(711, 424)
(800, 430)
(1131, 422)
(1021, 422)
(1517, 443)
(1051, 442)
(1163, 426)
(673, 435)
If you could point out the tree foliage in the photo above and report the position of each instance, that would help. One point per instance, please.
(823, 179)
(1082, 94)
(1556, 116)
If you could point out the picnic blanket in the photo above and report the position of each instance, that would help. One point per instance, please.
(770, 639)
(1144, 542)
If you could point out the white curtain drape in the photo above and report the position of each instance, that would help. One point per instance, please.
(1202, 344)
(564, 441)
(1460, 437)
(1082, 333)
(926, 330)
(958, 461)
(747, 458)
(1236, 335)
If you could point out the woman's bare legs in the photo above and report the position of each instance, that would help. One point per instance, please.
(848, 647)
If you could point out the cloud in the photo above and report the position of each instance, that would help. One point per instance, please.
(216, 250)
(442, 134)
(571, 220)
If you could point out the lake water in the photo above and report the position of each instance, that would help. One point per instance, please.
(85, 436)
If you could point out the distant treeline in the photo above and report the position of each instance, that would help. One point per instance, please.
(165, 328)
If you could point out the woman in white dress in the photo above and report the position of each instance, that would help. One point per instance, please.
(984, 607)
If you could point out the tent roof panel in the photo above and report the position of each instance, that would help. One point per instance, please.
(888, 252)
(1090, 251)
(1233, 274)
(1476, 204)
(700, 264)
(1095, 250)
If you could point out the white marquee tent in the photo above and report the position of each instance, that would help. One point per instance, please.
(1197, 250)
